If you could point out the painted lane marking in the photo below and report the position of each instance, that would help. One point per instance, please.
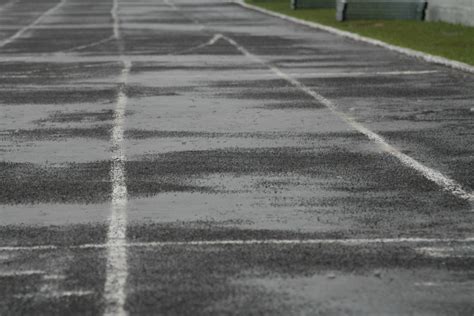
(55, 294)
(116, 19)
(353, 242)
(464, 251)
(360, 74)
(29, 26)
(242, 76)
(81, 47)
(210, 42)
(433, 175)
(37, 248)
(312, 75)
(54, 277)
(117, 266)
(427, 284)
(348, 242)
(21, 273)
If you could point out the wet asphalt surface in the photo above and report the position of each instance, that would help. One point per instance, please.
(219, 148)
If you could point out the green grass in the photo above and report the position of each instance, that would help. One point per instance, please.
(437, 38)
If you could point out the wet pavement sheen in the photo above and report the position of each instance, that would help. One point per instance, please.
(218, 149)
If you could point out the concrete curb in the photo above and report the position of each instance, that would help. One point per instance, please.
(406, 51)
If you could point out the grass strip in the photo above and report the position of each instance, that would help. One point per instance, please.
(451, 41)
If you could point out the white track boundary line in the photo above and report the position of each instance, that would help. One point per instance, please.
(117, 266)
(270, 76)
(238, 242)
(54, 294)
(406, 51)
(210, 42)
(29, 26)
(22, 273)
(246, 75)
(437, 177)
(81, 47)
(115, 18)
(361, 74)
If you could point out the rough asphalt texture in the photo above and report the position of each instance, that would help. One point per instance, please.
(220, 148)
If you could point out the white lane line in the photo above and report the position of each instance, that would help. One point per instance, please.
(117, 266)
(115, 18)
(402, 50)
(54, 277)
(437, 177)
(81, 47)
(427, 284)
(21, 273)
(359, 74)
(464, 251)
(55, 294)
(210, 42)
(248, 75)
(29, 26)
(27, 248)
(351, 241)
(354, 242)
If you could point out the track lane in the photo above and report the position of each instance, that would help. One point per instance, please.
(225, 161)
